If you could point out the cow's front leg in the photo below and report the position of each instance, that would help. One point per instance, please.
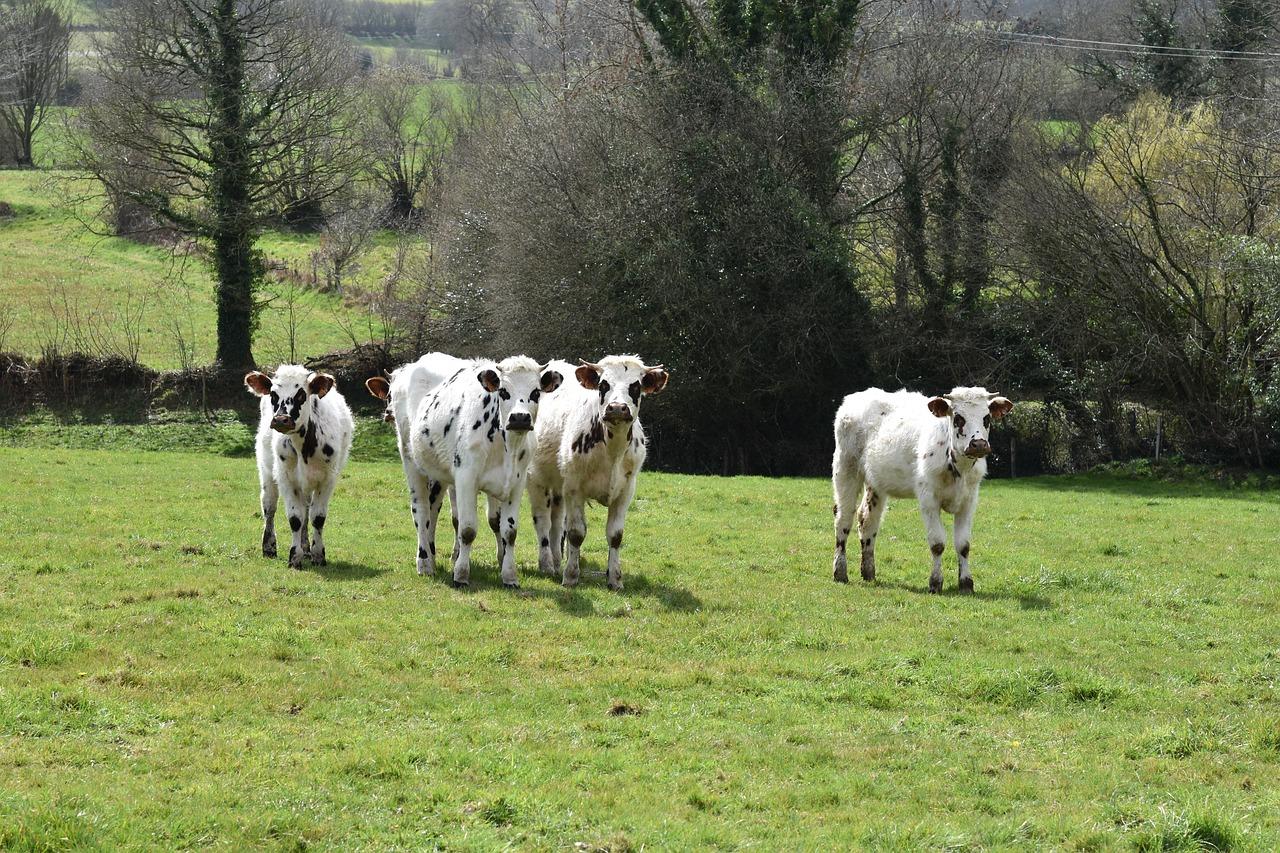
(616, 522)
(576, 531)
(961, 536)
(427, 531)
(870, 514)
(495, 524)
(508, 521)
(270, 496)
(463, 498)
(936, 535)
(540, 504)
(295, 508)
(319, 512)
(846, 483)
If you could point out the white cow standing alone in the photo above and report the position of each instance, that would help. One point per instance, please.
(590, 446)
(472, 434)
(304, 439)
(901, 445)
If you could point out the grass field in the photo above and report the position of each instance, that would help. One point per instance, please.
(1114, 681)
(63, 286)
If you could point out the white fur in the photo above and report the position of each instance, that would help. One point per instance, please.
(306, 480)
(582, 457)
(894, 446)
(461, 437)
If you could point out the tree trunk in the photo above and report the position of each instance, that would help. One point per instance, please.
(234, 258)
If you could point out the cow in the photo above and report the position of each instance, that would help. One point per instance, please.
(304, 438)
(472, 433)
(403, 391)
(590, 446)
(903, 444)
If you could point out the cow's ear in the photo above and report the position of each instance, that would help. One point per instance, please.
(1000, 406)
(550, 381)
(320, 384)
(940, 407)
(258, 382)
(654, 379)
(489, 379)
(588, 375)
(378, 387)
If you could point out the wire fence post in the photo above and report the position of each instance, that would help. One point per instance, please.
(1159, 434)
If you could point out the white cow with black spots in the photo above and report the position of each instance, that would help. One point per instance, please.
(591, 446)
(304, 439)
(403, 391)
(473, 434)
(902, 445)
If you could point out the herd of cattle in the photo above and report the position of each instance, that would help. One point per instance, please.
(502, 428)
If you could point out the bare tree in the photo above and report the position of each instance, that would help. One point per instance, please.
(406, 129)
(346, 237)
(34, 38)
(204, 108)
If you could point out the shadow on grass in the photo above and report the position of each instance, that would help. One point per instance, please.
(486, 577)
(1026, 601)
(342, 570)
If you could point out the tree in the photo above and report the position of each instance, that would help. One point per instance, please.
(203, 110)
(34, 38)
(1166, 67)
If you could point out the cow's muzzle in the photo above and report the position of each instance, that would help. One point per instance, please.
(617, 413)
(389, 417)
(520, 422)
(978, 448)
(280, 423)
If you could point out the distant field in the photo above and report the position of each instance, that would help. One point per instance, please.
(63, 286)
(1114, 683)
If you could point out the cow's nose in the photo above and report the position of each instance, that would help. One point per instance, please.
(616, 412)
(282, 423)
(978, 448)
(520, 421)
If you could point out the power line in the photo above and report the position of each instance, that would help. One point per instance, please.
(1128, 49)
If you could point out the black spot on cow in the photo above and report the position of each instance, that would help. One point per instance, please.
(964, 550)
(634, 390)
(448, 426)
(435, 491)
(937, 548)
(589, 439)
(615, 541)
(534, 395)
(318, 522)
(468, 535)
(521, 457)
(457, 461)
(327, 450)
(295, 523)
(511, 520)
(504, 394)
(422, 553)
(283, 459)
(475, 426)
(546, 543)
(576, 537)
(432, 546)
(308, 442)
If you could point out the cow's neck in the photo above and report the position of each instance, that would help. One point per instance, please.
(958, 464)
(617, 437)
(512, 469)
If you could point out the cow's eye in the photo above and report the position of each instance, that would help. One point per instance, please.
(959, 421)
(300, 396)
(635, 392)
(534, 395)
(986, 421)
(604, 387)
(275, 398)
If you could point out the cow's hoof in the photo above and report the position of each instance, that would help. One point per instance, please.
(616, 586)
(841, 575)
(568, 582)
(317, 559)
(511, 584)
(868, 573)
(457, 584)
(966, 584)
(269, 551)
(935, 585)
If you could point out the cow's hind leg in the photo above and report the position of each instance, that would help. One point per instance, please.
(463, 498)
(557, 529)
(846, 483)
(870, 515)
(319, 512)
(422, 494)
(295, 508)
(495, 524)
(270, 496)
(576, 532)
(961, 537)
(936, 535)
(540, 504)
(617, 520)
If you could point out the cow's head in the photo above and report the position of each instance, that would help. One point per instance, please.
(294, 391)
(519, 382)
(380, 387)
(971, 411)
(621, 380)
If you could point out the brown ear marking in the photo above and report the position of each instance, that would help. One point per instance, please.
(940, 407)
(378, 387)
(320, 384)
(550, 381)
(1000, 406)
(588, 375)
(258, 382)
(489, 379)
(654, 379)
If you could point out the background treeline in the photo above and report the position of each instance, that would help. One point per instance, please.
(1072, 203)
